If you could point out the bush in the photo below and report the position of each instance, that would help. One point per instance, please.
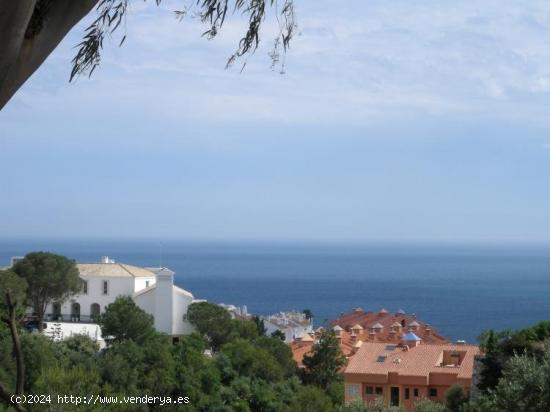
(455, 398)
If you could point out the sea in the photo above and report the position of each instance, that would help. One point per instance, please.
(461, 290)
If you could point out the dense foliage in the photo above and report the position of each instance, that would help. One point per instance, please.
(231, 365)
(50, 278)
(123, 320)
(228, 365)
(516, 371)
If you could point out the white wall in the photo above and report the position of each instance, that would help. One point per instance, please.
(63, 330)
(180, 324)
(164, 301)
(142, 283)
(168, 305)
(116, 286)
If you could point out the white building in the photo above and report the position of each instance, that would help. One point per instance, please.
(152, 289)
(293, 324)
(236, 312)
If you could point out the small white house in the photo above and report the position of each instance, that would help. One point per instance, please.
(152, 289)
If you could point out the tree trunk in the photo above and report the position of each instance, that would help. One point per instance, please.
(21, 56)
(6, 395)
(12, 324)
(11, 321)
(40, 316)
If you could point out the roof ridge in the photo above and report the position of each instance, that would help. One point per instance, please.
(123, 266)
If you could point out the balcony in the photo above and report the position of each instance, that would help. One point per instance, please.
(51, 317)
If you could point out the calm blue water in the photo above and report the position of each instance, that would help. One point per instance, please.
(460, 290)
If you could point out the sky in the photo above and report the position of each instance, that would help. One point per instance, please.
(425, 121)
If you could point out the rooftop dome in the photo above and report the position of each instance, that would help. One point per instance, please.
(377, 325)
(357, 327)
(400, 312)
(337, 328)
(414, 323)
(410, 337)
(383, 310)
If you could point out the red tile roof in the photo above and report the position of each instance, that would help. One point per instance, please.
(390, 332)
(420, 361)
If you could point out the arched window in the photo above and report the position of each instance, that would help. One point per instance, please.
(75, 312)
(95, 310)
(56, 311)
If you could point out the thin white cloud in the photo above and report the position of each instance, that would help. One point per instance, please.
(351, 63)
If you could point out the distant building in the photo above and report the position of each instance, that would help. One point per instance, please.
(236, 312)
(294, 325)
(152, 289)
(358, 326)
(402, 374)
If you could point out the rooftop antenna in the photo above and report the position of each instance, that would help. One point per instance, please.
(160, 255)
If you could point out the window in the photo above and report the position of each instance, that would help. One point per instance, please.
(407, 393)
(85, 287)
(369, 390)
(146, 283)
(415, 391)
(433, 392)
(105, 287)
(381, 359)
(379, 390)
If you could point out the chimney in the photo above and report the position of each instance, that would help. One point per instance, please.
(428, 331)
(164, 301)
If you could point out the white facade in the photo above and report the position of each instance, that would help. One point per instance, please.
(152, 289)
(104, 282)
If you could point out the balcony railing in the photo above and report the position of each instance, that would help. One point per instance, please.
(51, 317)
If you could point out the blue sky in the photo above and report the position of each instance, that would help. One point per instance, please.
(394, 121)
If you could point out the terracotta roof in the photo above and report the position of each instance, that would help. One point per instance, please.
(387, 334)
(299, 350)
(368, 320)
(112, 270)
(422, 360)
